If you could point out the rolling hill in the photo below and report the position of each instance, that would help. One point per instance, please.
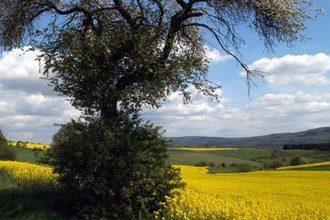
(317, 135)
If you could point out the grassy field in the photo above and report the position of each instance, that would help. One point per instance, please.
(28, 191)
(253, 156)
(323, 166)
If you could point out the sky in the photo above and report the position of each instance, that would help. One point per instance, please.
(294, 95)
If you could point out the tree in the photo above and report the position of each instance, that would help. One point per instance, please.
(105, 53)
(6, 152)
(111, 57)
(297, 160)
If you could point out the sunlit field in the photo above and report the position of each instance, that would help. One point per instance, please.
(27, 174)
(254, 195)
(205, 148)
(29, 145)
(286, 194)
(313, 166)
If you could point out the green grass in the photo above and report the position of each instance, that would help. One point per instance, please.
(25, 155)
(253, 156)
(323, 166)
(189, 157)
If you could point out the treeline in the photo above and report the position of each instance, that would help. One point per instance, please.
(318, 146)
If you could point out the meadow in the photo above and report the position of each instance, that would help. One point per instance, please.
(28, 191)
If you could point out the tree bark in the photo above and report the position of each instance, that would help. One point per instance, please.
(109, 111)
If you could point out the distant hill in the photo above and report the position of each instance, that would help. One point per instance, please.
(317, 135)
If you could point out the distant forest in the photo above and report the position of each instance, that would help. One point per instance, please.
(319, 146)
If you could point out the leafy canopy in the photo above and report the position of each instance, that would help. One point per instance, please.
(102, 53)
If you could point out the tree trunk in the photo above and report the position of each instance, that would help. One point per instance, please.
(109, 111)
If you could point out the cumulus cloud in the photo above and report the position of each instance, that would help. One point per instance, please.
(307, 70)
(214, 55)
(28, 107)
(278, 112)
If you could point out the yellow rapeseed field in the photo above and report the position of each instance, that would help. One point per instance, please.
(255, 195)
(31, 145)
(27, 174)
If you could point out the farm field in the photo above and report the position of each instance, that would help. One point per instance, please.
(286, 194)
(253, 156)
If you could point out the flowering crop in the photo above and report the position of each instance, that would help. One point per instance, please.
(255, 195)
(27, 174)
(30, 145)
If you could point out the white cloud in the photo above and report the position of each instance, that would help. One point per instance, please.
(270, 113)
(307, 70)
(28, 107)
(214, 55)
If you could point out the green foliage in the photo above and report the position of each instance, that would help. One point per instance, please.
(278, 162)
(3, 140)
(297, 160)
(244, 167)
(113, 172)
(6, 152)
(43, 156)
(201, 163)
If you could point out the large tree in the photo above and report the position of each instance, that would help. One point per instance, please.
(108, 53)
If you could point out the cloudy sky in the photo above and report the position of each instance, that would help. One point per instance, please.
(294, 96)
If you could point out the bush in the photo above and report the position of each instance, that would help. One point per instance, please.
(266, 166)
(201, 164)
(276, 163)
(233, 164)
(211, 164)
(6, 152)
(297, 160)
(113, 172)
(244, 167)
(223, 164)
(43, 156)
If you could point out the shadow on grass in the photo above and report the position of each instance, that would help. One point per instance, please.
(39, 201)
(215, 170)
(30, 203)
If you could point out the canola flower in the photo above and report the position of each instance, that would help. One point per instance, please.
(255, 195)
(30, 145)
(27, 174)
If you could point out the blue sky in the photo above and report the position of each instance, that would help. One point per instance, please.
(295, 95)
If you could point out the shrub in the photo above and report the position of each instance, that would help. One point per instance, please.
(43, 156)
(223, 164)
(244, 167)
(276, 163)
(266, 165)
(113, 172)
(211, 164)
(201, 164)
(6, 152)
(297, 160)
(233, 164)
